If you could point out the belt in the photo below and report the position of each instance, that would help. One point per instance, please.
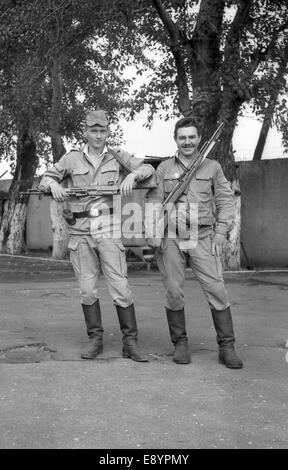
(93, 213)
(199, 227)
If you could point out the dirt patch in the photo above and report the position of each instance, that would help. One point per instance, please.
(27, 353)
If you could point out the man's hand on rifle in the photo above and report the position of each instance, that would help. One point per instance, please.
(58, 192)
(126, 186)
(218, 242)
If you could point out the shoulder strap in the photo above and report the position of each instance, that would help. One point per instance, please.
(119, 159)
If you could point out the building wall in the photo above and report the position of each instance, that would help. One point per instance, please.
(264, 220)
(38, 226)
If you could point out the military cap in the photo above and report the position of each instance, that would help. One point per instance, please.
(94, 117)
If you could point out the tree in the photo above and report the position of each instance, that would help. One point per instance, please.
(17, 120)
(278, 84)
(216, 54)
(97, 59)
(58, 58)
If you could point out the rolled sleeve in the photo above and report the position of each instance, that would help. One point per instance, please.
(154, 213)
(143, 172)
(131, 164)
(55, 173)
(157, 194)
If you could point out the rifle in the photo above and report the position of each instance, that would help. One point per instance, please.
(93, 190)
(186, 176)
(3, 174)
(76, 192)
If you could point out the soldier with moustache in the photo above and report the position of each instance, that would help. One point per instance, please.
(211, 191)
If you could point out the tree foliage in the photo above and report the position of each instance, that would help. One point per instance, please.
(92, 41)
(204, 57)
(58, 58)
(218, 55)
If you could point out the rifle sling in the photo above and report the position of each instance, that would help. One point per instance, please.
(119, 159)
(184, 167)
(187, 169)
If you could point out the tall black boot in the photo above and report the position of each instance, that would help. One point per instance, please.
(225, 338)
(92, 315)
(128, 326)
(177, 329)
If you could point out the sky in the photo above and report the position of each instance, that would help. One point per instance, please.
(158, 141)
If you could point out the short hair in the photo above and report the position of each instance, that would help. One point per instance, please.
(187, 122)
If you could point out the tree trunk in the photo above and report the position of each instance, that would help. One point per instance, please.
(263, 135)
(231, 107)
(232, 99)
(271, 107)
(176, 47)
(58, 148)
(225, 153)
(215, 93)
(13, 226)
(59, 230)
(205, 60)
(231, 257)
(59, 225)
(13, 222)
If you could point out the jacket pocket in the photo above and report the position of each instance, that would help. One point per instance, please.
(79, 176)
(122, 258)
(109, 174)
(206, 220)
(203, 188)
(169, 183)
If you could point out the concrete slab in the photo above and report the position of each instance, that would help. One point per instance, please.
(50, 398)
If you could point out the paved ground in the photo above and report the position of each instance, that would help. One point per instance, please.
(51, 399)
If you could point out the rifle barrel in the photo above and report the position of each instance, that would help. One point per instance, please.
(3, 174)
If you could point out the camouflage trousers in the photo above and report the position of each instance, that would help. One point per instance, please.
(172, 261)
(88, 257)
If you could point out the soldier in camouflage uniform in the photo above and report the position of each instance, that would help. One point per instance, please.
(210, 190)
(95, 238)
